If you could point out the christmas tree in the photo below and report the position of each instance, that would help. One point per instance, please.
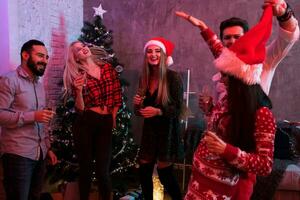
(66, 170)
(124, 151)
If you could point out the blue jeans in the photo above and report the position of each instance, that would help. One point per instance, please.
(23, 177)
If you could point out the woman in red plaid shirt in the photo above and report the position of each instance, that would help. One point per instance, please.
(159, 101)
(96, 88)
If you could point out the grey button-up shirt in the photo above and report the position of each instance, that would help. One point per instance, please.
(20, 97)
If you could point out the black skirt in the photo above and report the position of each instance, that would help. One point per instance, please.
(161, 140)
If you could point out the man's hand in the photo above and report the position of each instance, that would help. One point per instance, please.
(43, 116)
(52, 157)
(278, 6)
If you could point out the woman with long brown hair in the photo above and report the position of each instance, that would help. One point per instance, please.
(159, 102)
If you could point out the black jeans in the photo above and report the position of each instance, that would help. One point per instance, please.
(93, 138)
(23, 177)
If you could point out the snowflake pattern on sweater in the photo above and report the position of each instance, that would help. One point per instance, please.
(265, 124)
(225, 170)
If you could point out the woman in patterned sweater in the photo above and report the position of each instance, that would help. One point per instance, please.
(240, 136)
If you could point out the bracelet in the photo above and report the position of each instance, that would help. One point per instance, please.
(189, 17)
(287, 14)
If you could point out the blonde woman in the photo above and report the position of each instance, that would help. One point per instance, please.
(159, 102)
(97, 92)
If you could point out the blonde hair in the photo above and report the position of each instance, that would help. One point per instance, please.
(163, 96)
(73, 67)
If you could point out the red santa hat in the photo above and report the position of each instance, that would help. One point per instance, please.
(244, 59)
(166, 46)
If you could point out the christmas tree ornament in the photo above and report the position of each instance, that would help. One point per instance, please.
(119, 68)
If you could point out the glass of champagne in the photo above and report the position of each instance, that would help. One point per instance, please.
(206, 93)
(142, 93)
(51, 106)
(206, 96)
(84, 87)
(206, 99)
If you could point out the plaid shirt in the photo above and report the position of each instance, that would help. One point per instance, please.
(103, 92)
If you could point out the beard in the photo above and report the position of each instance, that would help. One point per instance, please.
(35, 67)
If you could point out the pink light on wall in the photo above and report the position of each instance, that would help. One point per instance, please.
(4, 37)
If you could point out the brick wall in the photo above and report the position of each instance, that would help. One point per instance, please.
(53, 79)
(56, 23)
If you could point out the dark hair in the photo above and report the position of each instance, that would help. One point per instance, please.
(243, 102)
(233, 21)
(27, 46)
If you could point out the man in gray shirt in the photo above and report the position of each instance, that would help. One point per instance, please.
(24, 144)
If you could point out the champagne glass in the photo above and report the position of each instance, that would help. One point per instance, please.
(51, 106)
(205, 99)
(84, 87)
(206, 94)
(142, 93)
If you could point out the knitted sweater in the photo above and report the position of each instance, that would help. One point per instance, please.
(216, 176)
(276, 51)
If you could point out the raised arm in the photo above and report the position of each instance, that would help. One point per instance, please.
(194, 21)
(287, 35)
(214, 44)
